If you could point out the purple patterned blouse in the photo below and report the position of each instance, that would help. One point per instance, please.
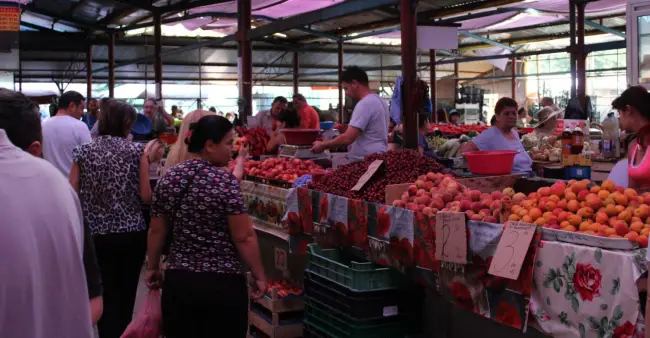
(197, 197)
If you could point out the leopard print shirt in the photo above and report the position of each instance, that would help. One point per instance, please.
(197, 198)
(109, 185)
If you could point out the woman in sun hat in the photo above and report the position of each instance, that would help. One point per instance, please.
(547, 118)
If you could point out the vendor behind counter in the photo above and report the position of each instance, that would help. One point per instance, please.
(367, 132)
(503, 136)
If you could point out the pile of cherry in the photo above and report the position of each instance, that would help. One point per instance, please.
(399, 166)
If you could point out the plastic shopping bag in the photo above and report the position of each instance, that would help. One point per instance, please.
(148, 322)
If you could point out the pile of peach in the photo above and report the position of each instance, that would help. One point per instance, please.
(605, 210)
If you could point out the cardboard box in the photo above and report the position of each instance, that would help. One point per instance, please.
(577, 160)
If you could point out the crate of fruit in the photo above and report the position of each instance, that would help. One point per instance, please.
(281, 296)
(349, 271)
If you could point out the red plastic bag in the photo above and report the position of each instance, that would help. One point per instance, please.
(148, 322)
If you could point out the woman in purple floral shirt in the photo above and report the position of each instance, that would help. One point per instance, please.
(205, 293)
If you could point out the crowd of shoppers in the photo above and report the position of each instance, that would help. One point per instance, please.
(75, 259)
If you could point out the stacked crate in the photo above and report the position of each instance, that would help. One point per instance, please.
(346, 297)
(275, 316)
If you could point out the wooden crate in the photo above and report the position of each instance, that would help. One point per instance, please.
(279, 305)
(274, 330)
(275, 304)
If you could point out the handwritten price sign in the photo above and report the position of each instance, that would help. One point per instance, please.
(451, 237)
(372, 169)
(511, 251)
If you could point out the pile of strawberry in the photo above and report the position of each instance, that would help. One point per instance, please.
(256, 138)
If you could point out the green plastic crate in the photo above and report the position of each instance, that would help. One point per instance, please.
(336, 325)
(350, 272)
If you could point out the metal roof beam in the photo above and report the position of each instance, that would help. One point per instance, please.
(486, 40)
(328, 13)
(114, 16)
(183, 6)
(33, 26)
(588, 48)
(149, 58)
(605, 29)
(76, 5)
(423, 17)
(139, 4)
(64, 17)
(368, 34)
(224, 15)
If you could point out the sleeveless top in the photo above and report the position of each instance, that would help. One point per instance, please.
(639, 173)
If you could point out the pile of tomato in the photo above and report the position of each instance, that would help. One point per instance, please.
(450, 129)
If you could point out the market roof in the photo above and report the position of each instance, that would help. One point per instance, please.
(517, 24)
(506, 20)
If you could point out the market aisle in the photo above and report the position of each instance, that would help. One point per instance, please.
(142, 291)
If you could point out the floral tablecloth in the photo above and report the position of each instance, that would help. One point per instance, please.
(583, 291)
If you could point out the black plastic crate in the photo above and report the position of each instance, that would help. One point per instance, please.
(338, 325)
(356, 305)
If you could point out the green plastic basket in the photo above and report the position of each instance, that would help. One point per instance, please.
(350, 272)
(336, 325)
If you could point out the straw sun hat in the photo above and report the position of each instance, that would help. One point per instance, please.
(545, 114)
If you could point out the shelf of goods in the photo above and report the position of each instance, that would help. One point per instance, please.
(279, 313)
(590, 244)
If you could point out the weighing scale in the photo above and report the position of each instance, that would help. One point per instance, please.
(330, 134)
(300, 152)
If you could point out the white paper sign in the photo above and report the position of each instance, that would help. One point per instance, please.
(512, 250)
(451, 237)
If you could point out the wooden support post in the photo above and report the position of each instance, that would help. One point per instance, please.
(409, 73)
(432, 85)
(111, 65)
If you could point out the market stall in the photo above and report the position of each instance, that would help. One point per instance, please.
(571, 275)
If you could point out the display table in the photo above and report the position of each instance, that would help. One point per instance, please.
(564, 289)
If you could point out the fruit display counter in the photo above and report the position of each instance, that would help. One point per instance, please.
(572, 283)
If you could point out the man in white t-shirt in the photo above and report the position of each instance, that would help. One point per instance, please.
(367, 132)
(64, 131)
(43, 291)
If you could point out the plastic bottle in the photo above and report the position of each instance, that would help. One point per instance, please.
(577, 141)
(566, 142)
(611, 138)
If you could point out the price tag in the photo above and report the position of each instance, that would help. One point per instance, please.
(372, 169)
(512, 248)
(280, 259)
(451, 237)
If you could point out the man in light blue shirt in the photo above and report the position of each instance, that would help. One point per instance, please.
(368, 128)
(503, 136)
